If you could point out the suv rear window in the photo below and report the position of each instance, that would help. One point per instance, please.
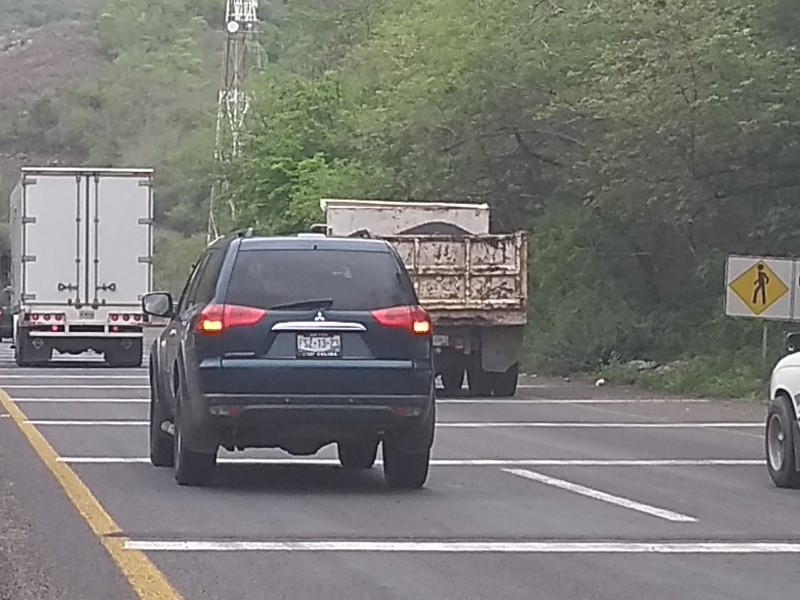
(354, 280)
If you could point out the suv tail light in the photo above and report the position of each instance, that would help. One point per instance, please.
(216, 318)
(413, 319)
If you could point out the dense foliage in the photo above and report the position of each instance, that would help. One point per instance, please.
(638, 141)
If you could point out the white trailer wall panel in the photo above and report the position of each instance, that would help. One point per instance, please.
(82, 236)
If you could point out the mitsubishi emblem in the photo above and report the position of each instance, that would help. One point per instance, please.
(319, 316)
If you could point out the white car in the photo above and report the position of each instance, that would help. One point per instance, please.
(782, 436)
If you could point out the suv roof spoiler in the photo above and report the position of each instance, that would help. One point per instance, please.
(240, 233)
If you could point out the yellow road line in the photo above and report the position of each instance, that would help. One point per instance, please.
(144, 577)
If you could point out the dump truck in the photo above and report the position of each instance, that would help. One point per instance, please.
(81, 260)
(471, 281)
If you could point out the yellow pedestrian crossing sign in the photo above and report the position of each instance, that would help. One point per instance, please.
(760, 287)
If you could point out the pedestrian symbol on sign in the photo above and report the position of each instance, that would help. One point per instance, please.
(762, 279)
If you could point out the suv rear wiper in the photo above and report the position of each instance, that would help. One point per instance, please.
(313, 303)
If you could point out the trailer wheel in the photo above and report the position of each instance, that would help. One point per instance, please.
(479, 381)
(20, 353)
(453, 378)
(505, 384)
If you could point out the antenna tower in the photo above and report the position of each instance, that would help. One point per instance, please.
(242, 54)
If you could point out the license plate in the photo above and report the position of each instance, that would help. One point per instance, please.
(86, 314)
(319, 345)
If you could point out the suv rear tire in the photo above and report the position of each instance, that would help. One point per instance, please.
(191, 468)
(357, 454)
(162, 448)
(404, 470)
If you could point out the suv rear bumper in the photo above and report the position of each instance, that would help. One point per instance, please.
(296, 421)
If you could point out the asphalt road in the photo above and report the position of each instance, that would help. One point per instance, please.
(564, 492)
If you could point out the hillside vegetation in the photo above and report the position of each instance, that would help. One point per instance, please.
(20, 15)
(639, 142)
(142, 93)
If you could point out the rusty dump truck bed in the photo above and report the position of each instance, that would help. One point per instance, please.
(468, 278)
(473, 283)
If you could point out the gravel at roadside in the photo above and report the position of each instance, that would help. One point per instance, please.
(23, 573)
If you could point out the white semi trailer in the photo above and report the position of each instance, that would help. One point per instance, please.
(81, 260)
(473, 282)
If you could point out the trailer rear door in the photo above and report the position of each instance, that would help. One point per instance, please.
(51, 217)
(120, 255)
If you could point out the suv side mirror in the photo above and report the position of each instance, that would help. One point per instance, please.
(158, 304)
(792, 343)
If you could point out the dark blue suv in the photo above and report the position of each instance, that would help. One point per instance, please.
(293, 343)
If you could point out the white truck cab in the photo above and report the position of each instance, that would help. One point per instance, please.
(782, 435)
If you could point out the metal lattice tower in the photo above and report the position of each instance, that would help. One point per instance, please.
(242, 54)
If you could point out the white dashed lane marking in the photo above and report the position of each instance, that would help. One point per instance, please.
(654, 547)
(594, 494)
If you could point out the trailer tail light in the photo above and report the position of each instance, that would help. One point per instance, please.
(125, 318)
(125, 322)
(413, 319)
(216, 318)
(43, 319)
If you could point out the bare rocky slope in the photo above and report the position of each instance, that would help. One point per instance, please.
(35, 64)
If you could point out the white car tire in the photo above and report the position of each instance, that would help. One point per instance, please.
(779, 443)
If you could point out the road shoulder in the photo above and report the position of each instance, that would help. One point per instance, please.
(46, 550)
